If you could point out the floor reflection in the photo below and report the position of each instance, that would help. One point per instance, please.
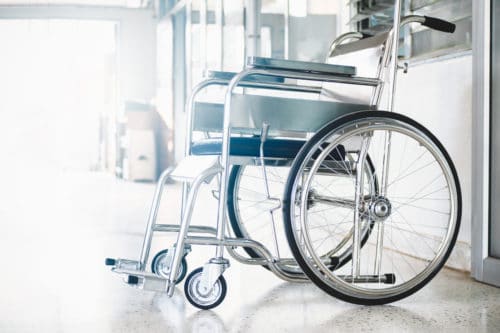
(64, 287)
(205, 322)
(289, 307)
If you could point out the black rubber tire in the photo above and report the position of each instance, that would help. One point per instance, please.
(223, 286)
(183, 268)
(288, 206)
(235, 225)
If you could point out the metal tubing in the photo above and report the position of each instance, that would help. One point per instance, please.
(377, 91)
(365, 278)
(186, 219)
(356, 246)
(214, 81)
(260, 261)
(398, 22)
(387, 57)
(235, 81)
(395, 49)
(385, 163)
(189, 128)
(242, 242)
(245, 260)
(379, 247)
(383, 192)
(342, 38)
(226, 135)
(197, 229)
(153, 213)
(271, 86)
(263, 262)
(337, 202)
(411, 19)
(263, 138)
(190, 109)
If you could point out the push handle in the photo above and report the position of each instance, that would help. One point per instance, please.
(438, 24)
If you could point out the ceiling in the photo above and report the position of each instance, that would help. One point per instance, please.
(101, 3)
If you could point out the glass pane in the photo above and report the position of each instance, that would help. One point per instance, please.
(430, 42)
(234, 36)
(273, 6)
(310, 37)
(104, 3)
(375, 16)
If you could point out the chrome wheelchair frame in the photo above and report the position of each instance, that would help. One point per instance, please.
(209, 279)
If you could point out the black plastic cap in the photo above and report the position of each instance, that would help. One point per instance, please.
(390, 278)
(334, 263)
(132, 279)
(440, 25)
(110, 262)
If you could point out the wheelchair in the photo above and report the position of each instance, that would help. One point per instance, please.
(364, 203)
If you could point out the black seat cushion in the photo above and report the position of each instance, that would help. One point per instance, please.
(250, 146)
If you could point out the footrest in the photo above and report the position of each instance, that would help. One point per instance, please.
(122, 263)
(110, 262)
(143, 280)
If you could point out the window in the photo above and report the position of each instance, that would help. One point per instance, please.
(375, 16)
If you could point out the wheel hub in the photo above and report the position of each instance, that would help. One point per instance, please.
(380, 209)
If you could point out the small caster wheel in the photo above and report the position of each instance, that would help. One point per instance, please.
(199, 298)
(160, 267)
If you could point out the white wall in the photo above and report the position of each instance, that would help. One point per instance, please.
(438, 94)
(137, 54)
(136, 41)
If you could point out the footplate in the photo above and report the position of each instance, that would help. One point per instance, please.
(136, 277)
(144, 280)
(123, 263)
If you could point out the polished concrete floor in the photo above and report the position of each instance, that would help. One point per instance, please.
(57, 230)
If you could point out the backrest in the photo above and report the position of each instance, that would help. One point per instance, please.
(366, 55)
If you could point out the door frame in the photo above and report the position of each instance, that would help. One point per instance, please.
(484, 268)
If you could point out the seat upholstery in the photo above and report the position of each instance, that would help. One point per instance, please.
(250, 147)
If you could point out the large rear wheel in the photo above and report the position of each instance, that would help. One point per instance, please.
(416, 213)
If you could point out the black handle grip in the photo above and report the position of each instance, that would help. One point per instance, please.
(438, 24)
